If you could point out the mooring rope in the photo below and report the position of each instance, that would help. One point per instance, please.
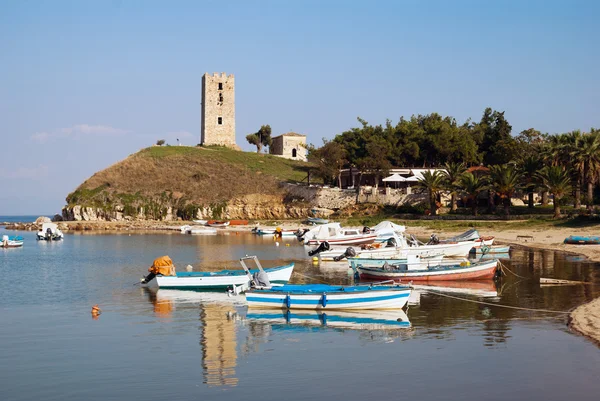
(498, 305)
(503, 267)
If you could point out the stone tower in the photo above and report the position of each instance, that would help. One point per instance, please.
(218, 110)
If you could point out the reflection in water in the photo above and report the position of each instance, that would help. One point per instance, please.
(219, 356)
(381, 325)
(218, 332)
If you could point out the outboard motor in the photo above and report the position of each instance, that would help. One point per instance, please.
(148, 278)
(366, 230)
(350, 253)
(324, 246)
(391, 243)
(433, 240)
(261, 279)
(48, 235)
(300, 234)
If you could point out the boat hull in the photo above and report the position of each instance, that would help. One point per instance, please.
(582, 240)
(476, 271)
(374, 298)
(350, 240)
(218, 280)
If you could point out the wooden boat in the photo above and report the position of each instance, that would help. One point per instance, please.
(217, 223)
(163, 275)
(275, 231)
(582, 240)
(199, 230)
(238, 222)
(327, 297)
(201, 222)
(385, 270)
(354, 320)
(487, 250)
(11, 241)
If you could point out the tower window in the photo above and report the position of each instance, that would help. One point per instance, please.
(221, 97)
(220, 120)
(220, 86)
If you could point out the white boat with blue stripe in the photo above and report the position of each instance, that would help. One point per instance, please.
(329, 297)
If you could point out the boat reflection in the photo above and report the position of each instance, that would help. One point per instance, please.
(364, 320)
(475, 288)
(218, 318)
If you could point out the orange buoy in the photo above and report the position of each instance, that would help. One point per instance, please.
(96, 311)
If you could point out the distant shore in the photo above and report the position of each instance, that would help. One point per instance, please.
(585, 319)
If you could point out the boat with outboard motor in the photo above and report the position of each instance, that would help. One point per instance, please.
(163, 275)
(386, 269)
(12, 241)
(49, 232)
(334, 234)
(198, 230)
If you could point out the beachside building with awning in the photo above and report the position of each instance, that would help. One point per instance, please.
(396, 177)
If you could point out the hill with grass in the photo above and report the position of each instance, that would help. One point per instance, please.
(164, 183)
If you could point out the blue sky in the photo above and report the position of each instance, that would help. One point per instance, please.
(84, 84)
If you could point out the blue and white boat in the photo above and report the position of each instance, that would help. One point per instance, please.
(11, 242)
(236, 280)
(329, 297)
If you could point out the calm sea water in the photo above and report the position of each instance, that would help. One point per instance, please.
(19, 219)
(158, 345)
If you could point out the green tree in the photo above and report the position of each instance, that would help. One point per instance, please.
(472, 185)
(529, 167)
(329, 159)
(160, 142)
(505, 180)
(260, 138)
(452, 171)
(588, 157)
(434, 184)
(492, 134)
(557, 181)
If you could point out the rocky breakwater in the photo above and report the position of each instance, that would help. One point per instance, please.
(36, 225)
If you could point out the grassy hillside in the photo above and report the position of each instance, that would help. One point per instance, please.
(185, 178)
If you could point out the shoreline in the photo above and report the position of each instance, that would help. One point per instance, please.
(584, 319)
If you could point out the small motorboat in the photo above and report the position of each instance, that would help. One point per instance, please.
(275, 231)
(11, 241)
(163, 275)
(582, 240)
(373, 269)
(49, 232)
(198, 230)
(201, 222)
(329, 297)
(217, 223)
(334, 234)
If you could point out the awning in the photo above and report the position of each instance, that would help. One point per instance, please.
(394, 178)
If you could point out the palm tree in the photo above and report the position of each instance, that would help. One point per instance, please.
(434, 183)
(588, 155)
(557, 181)
(472, 185)
(529, 166)
(451, 173)
(505, 180)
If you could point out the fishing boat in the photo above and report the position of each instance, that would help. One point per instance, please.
(217, 223)
(198, 230)
(49, 232)
(334, 234)
(386, 270)
(275, 231)
(397, 247)
(582, 240)
(490, 250)
(201, 222)
(163, 275)
(353, 320)
(329, 297)
(11, 241)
